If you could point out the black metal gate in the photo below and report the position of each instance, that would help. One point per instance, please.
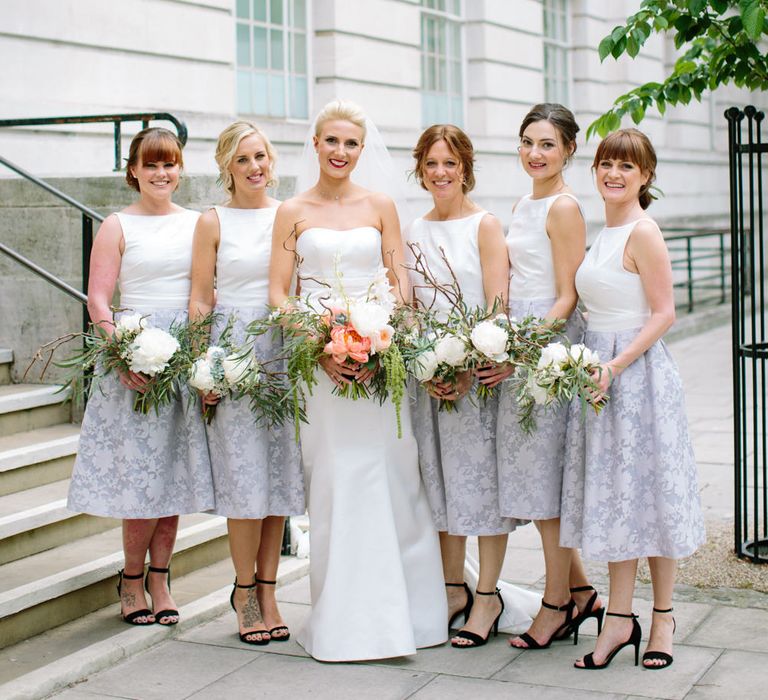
(750, 336)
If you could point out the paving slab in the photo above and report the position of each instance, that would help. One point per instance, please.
(277, 676)
(296, 592)
(452, 688)
(743, 629)
(167, 672)
(554, 667)
(738, 675)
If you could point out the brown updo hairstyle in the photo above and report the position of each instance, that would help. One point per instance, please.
(561, 118)
(152, 145)
(631, 146)
(458, 143)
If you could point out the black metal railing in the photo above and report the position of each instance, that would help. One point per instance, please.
(116, 119)
(749, 333)
(700, 264)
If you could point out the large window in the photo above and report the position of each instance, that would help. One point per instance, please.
(556, 45)
(272, 58)
(442, 93)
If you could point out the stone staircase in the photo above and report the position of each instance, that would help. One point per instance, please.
(57, 566)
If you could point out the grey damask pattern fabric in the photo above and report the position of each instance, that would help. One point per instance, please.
(531, 465)
(131, 465)
(256, 470)
(630, 484)
(457, 456)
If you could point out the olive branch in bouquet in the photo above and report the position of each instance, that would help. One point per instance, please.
(163, 361)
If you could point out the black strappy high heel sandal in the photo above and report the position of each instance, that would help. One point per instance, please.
(132, 618)
(633, 641)
(660, 655)
(244, 635)
(467, 607)
(162, 613)
(476, 639)
(562, 632)
(584, 615)
(279, 628)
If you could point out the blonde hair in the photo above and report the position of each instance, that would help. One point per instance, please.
(227, 145)
(343, 110)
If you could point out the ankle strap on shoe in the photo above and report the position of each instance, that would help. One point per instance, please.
(456, 585)
(668, 610)
(487, 592)
(130, 577)
(630, 616)
(158, 570)
(261, 580)
(561, 608)
(252, 585)
(581, 589)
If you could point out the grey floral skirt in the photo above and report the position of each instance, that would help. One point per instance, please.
(630, 485)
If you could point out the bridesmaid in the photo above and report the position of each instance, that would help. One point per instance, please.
(546, 242)
(457, 452)
(630, 486)
(145, 469)
(256, 470)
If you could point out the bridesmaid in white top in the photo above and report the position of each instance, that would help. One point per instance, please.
(457, 449)
(256, 469)
(630, 484)
(145, 469)
(546, 242)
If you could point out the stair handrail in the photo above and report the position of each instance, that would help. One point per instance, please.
(116, 119)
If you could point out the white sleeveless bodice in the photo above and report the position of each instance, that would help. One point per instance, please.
(532, 272)
(613, 296)
(458, 239)
(242, 261)
(347, 259)
(155, 268)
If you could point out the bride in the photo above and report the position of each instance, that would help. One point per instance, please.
(375, 571)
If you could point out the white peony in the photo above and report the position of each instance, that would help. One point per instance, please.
(129, 323)
(424, 366)
(368, 317)
(451, 350)
(151, 350)
(236, 367)
(581, 354)
(491, 340)
(539, 393)
(201, 377)
(553, 354)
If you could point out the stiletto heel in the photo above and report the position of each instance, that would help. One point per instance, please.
(279, 628)
(659, 655)
(131, 618)
(475, 639)
(162, 613)
(562, 632)
(633, 640)
(467, 607)
(244, 635)
(589, 611)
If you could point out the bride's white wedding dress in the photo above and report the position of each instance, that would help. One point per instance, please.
(375, 571)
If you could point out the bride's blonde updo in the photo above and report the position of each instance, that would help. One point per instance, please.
(343, 110)
(226, 148)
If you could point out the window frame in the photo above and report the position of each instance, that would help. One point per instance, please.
(558, 45)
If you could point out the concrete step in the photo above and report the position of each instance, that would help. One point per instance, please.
(26, 407)
(6, 360)
(43, 590)
(39, 666)
(36, 457)
(37, 519)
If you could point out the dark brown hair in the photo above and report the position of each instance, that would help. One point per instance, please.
(458, 143)
(560, 117)
(632, 146)
(152, 145)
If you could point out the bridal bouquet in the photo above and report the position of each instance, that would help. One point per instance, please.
(561, 373)
(133, 346)
(355, 332)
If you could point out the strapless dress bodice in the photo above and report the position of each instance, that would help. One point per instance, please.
(332, 258)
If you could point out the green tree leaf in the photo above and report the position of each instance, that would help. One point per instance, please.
(606, 46)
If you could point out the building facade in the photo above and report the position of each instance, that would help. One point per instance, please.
(408, 63)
